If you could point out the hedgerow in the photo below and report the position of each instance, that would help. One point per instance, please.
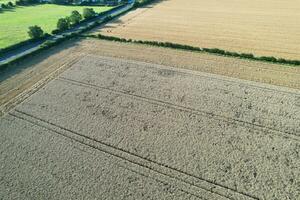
(198, 49)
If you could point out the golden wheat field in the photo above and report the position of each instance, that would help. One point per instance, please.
(264, 28)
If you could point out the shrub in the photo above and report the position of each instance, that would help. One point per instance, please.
(281, 60)
(233, 54)
(88, 13)
(247, 55)
(55, 31)
(10, 4)
(4, 6)
(35, 32)
(75, 17)
(270, 59)
(19, 3)
(63, 24)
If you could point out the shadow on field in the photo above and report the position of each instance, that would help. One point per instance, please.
(33, 60)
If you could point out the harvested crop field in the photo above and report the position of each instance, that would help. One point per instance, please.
(264, 28)
(114, 128)
(17, 80)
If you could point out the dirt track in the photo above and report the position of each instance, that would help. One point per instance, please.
(265, 28)
(122, 129)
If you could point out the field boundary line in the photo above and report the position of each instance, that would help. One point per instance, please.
(244, 65)
(146, 163)
(248, 83)
(34, 88)
(214, 51)
(281, 133)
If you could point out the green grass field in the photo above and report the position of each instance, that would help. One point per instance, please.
(14, 23)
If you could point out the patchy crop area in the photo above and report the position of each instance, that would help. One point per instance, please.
(264, 28)
(112, 125)
(14, 23)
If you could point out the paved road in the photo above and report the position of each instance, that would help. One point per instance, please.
(26, 49)
(119, 129)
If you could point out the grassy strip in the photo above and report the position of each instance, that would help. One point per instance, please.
(48, 44)
(20, 44)
(14, 26)
(198, 49)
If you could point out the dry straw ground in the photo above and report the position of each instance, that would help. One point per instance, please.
(22, 77)
(110, 128)
(265, 28)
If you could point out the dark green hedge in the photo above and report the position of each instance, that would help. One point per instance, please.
(139, 3)
(198, 49)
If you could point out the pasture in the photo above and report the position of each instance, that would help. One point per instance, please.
(14, 23)
(264, 28)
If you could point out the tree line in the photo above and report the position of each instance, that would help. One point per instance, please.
(63, 24)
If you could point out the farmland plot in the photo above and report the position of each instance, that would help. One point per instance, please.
(14, 23)
(264, 28)
(113, 126)
(38, 67)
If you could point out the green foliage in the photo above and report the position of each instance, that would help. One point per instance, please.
(88, 13)
(58, 1)
(75, 17)
(26, 2)
(139, 3)
(35, 32)
(4, 6)
(198, 49)
(270, 59)
(14, 25)
(10, 4)
(63, 24)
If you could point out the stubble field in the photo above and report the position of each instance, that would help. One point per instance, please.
(264, 28)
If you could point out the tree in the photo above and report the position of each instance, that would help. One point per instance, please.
(58, 1)
(88, 13)
(4, 6)
(35, 32)
(10, 4)
(63, 24)
(75, 17)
